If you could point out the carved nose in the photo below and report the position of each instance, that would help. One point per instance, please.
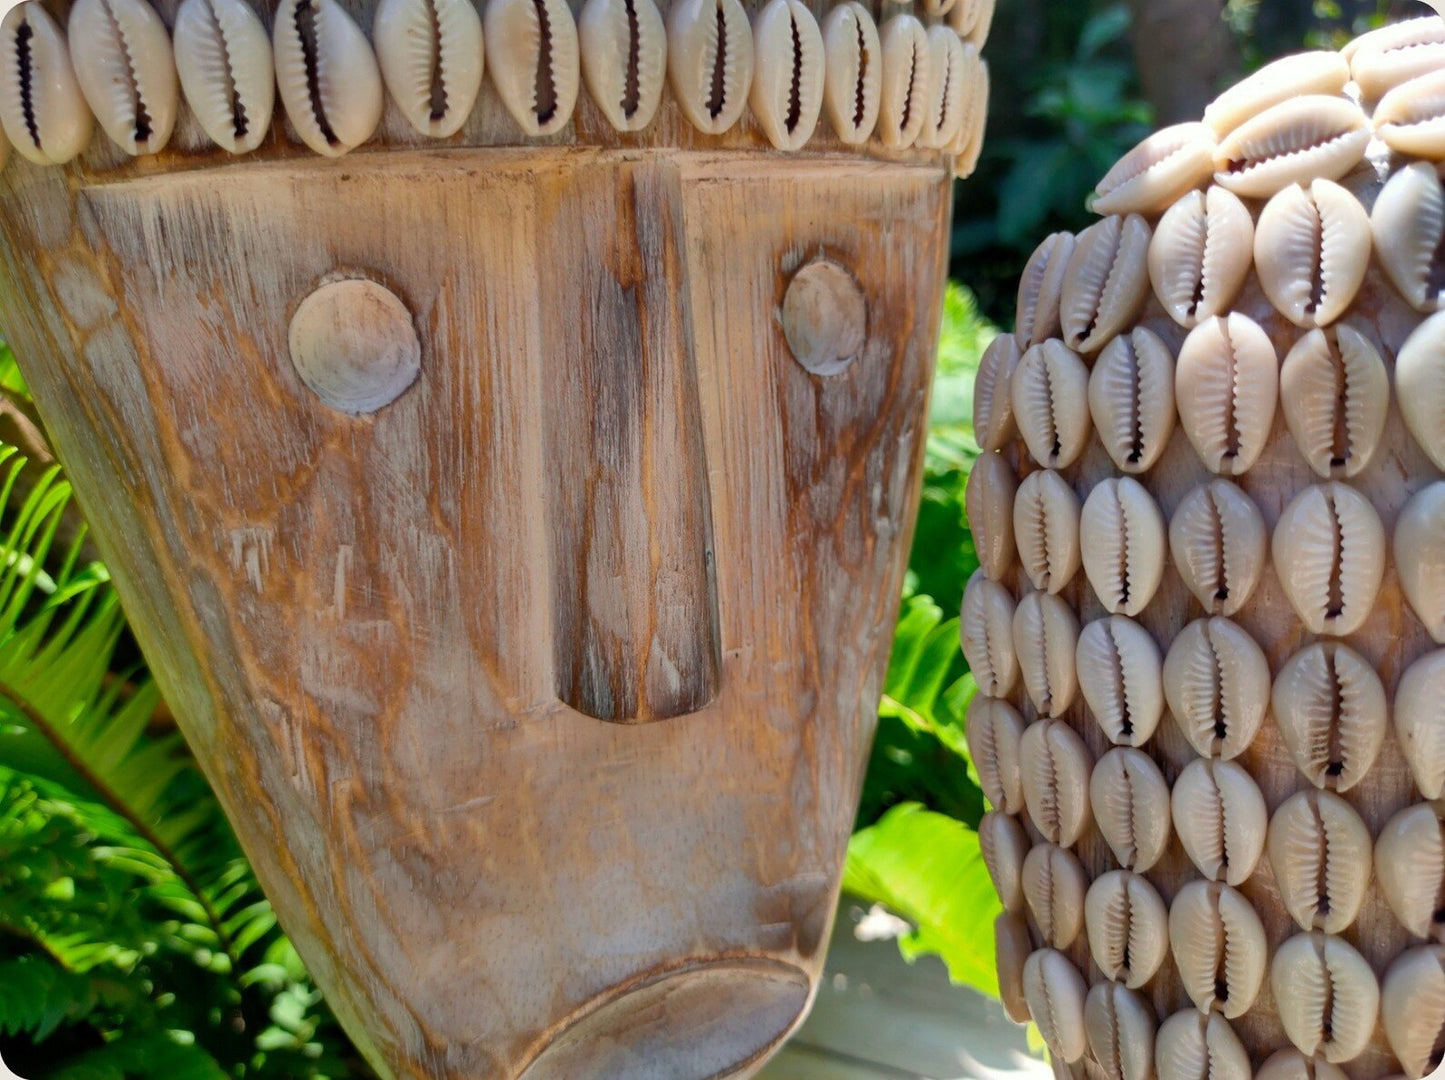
(634, 609)
(710, 1021)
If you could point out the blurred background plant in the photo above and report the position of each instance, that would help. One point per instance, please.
(135, 941)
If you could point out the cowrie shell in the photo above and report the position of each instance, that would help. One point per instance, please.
(1200, 254)
(1106, 282)
(1130, 801)
(1054, 884)
(1131, 398)
(1311, 249)
(1420, 722)
(1055, 766)
(986, 631)
(1122, 543)
(1120, 1027)
(1012, 947)
(1410, 119)
(710, 61)
(1218, 943)
(1128, 927)
(1045, 635)
(1321, 853)
(994, 730)
(972, 19)
(623, 46)
(947, 88)
(853, 75)
(1292, 1065)
(121, 52)
(1299, 140)
(967, 145)
(41, 106)
(1419, 546)
(1414, 1009)
(1003, 845)
(1226, 383)
(993, 412)
(1050, 397)
(989, 504)
(1335, 393)
(1121, 676)
(1055, 992)
(1330, 708)
(431, 58)
(223, 59)
(1410, 866)
(1046, 529)
(1041, 288)
(1220, 817)
(1329, 551)
(1192, 1045)
(1408, 223)
(1150, 177)
(903, 104)
(1420, 386)
(787, 92)
(534, 56)
(327, 74)
(1218, 540)
(1217, 682)
(1327, 995)
(1320, 72)
(1395, 54)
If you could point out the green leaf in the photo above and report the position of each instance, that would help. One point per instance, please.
(927, 868)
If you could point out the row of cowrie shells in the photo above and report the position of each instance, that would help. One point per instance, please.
(1296, 120)
(914, 85)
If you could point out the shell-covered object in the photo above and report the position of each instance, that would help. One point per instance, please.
(1257, 506)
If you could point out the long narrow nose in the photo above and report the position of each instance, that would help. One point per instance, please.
(633, 604)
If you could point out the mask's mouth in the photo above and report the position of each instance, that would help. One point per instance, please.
(710, 1020)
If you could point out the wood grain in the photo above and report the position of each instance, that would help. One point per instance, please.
(611, 492)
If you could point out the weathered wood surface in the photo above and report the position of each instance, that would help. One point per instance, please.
(612, 489)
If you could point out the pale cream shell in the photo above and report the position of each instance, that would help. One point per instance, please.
(1219, 946)
(1046, 529)
(223, 59)
(1055, 767)
(1128, 927)
(986, 630)
(1419, 546)
(1220, 818)
(1408, 222)
(623, 48)
(1049, 393)
(533, 43)
(1200, 254)
(48, 121)
(1335, 394)
(1414, 1009)
(336, 106)
(1226, 384)
(1329, 552)
(853, 72)
(1054, 884)
(1311, 250)
(1217, 684)
(1410, 119)
(903, 103)
(1320, 72)
(1219, 542)
(1321, 852)
(787, 89)
(1107, 281)
(1192, 1045)
(432, 58)
(121, 52)
(1055, 992)
(1410, 867)
(1120, 673)
(989, 505)
(1150, 177)
(709, 61)
(1130, 801)
(1420, 722)
(1327, 994)
(1131, 399)
(1420, 386)
(1304, 138)
(994, 729)
(1330, 708)
(1041, 288)
(1122, 544)
(1045, 636)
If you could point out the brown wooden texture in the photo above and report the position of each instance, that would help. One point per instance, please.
(611, 489)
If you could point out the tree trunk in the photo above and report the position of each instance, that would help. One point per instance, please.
(1184, 53)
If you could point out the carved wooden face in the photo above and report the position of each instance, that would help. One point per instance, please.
(523, 592)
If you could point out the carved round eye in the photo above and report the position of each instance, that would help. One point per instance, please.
(354, 344)
(825, 317)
